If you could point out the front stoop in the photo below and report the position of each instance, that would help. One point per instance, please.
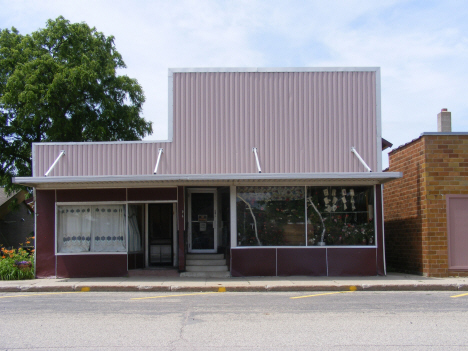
(154, 272)
(206, 266)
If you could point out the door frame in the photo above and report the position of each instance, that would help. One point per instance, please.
(213, 191)
(174, 230)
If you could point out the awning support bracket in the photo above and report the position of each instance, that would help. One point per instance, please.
(157, 162)
(353, 150)
(62, 152)
(254, 150)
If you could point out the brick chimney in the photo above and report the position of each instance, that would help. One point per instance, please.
(444, 121)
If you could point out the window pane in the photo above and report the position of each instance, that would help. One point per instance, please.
(95, 228)
(136, 227)
(340, 215)
(108, 228)
(74, 229)
(271, 216)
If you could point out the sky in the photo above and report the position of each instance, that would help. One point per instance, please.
(421, 46)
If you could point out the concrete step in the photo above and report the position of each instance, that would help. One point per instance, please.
(206, 268)
(204, 256)
(154, 272)
(205, 262)
(206, 274)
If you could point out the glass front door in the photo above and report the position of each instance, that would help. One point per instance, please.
(202, 220)
(160, 234)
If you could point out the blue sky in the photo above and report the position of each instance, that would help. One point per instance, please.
(421, 46)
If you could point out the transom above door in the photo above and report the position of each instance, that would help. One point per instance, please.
(202, 221)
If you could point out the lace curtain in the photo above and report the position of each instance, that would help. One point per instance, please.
(91, 228)
(134, 233)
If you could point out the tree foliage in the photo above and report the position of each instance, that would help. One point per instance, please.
(60, 84)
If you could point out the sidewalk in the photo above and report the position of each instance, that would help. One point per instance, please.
(391, 282)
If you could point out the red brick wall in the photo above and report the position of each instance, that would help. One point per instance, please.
(403, 209)
(433, 166)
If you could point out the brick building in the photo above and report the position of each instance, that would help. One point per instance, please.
(426, 211)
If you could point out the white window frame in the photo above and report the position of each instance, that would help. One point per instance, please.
(94, 203)
(233, 203)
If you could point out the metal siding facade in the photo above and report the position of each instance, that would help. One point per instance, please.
(299, 121)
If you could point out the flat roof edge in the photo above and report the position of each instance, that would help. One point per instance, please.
(444, 133)
(270, 69)
(101, 142)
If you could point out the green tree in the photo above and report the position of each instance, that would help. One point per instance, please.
(60, 83)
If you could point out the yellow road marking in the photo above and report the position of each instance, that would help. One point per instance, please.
(160, 297)
(331, 293)
(57, 293)
(459, 295)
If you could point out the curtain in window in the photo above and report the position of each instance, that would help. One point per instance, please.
(134, 233)
(108, 228)
(74, 229)
(91, 228)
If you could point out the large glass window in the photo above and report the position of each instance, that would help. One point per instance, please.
(271, 216)
(91, 228)
(284, 216)
(340, 215)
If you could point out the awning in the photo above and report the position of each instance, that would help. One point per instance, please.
(132, 181)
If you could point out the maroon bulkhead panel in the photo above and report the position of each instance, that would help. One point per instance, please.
(83, 195)
(89, 266)
(253, 262)
(351, 261)
(148, 194)
(45, 233)
(379, 232)
(310, 262)
(303, 261)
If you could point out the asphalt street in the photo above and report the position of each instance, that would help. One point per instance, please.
(234, 321)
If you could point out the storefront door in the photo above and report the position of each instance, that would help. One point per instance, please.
(202, 223)
(160, 234)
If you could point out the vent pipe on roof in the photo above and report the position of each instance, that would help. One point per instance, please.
(444, 121)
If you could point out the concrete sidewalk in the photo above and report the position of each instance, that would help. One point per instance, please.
(391, 282)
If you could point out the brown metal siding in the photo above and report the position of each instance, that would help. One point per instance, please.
(299, 121)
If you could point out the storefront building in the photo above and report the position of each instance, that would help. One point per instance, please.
(266, 172)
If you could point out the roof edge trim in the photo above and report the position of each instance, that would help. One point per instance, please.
(269, 69)
(377, 176)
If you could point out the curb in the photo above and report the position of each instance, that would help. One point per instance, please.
(250, 288)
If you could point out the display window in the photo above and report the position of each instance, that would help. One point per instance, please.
(340, 215)
(305, 216)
